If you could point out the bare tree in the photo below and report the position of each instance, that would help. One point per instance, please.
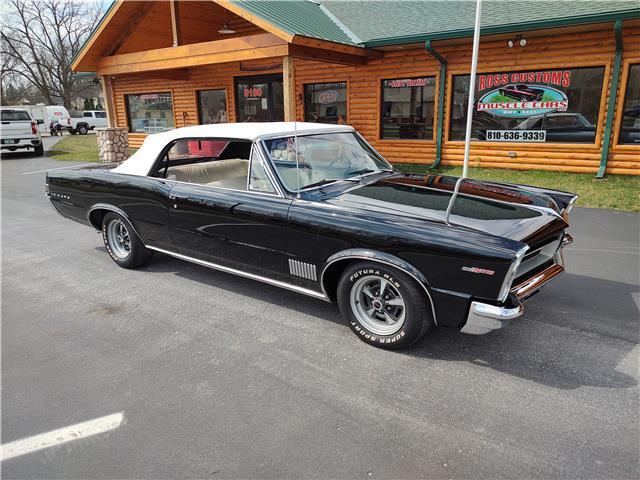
(39, 41)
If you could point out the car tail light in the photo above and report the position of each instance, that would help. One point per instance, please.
(34, 128)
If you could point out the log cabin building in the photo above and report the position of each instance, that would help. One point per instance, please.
(558, 84)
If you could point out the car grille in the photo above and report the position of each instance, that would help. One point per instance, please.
(538, 266)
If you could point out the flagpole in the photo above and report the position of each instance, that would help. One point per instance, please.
(472, 88)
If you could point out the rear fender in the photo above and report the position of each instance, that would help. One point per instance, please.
(96, 213)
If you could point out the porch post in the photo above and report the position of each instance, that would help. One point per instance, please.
(289, 87)
(175, 22)
(107, 94)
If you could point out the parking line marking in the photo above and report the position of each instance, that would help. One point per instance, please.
(602, 250)
(59, 168)
(60, 436)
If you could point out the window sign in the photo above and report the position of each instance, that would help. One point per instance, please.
(559, 105)
(630, 127)
(150, 112)
(260, 98)
(325, 102)
(212, 106)
(408, 108)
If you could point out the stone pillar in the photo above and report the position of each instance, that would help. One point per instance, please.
(113, 144)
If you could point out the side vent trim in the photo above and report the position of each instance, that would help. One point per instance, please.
(303, 270)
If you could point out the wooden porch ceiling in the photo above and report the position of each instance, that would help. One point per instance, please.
(138, 37)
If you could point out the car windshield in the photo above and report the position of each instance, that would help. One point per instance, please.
(322, 159)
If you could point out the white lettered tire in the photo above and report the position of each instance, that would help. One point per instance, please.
(122, 243)
(384, 306)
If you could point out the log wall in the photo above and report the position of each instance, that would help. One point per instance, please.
(185, 103)
(592, 47)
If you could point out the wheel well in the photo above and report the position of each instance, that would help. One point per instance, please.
(96, 216)
(331, 276)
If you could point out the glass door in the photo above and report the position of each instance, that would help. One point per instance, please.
(260, 99)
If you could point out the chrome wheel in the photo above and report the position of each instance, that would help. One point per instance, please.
(118, 238)
(377, 305)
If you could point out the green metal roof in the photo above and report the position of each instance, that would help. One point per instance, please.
(374, 23)
(380, 23)
(299, 17)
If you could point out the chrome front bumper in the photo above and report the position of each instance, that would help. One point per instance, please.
(483, 318)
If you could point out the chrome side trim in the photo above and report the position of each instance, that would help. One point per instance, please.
(385, 259)
(240, 273)
(484, 318)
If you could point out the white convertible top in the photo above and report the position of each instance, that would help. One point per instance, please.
(141, 162)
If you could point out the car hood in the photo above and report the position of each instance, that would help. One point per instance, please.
(509, 211)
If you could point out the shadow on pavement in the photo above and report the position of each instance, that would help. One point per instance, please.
(557, 343)
(18, 155)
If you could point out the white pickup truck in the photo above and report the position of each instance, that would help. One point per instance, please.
(19, 130)
(84, 120)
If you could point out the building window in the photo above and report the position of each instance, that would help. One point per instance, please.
(150, 112)
(630, 127)
(325, 102)
(560, 105)
(212, 106)
(407, 108)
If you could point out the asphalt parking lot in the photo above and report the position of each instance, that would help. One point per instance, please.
(217, 376)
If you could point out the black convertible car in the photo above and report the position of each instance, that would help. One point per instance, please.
(315, 209)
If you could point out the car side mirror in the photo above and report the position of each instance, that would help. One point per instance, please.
(40, 122)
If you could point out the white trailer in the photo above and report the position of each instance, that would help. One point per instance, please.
(48, 114)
